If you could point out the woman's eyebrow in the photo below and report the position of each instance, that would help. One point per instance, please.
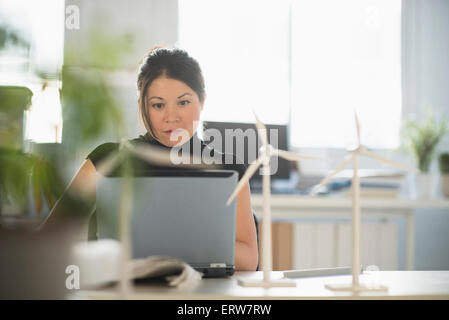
(184, 95)
(155, 98)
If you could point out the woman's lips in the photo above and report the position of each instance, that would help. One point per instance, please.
(169, 132)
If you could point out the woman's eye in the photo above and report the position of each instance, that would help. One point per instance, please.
(184, 102)
(157, 105)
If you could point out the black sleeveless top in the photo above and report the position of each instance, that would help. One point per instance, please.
(225, 161)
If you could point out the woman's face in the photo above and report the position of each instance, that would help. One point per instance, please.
(172, 105)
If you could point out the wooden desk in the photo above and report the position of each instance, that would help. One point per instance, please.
(401, 284)
(293, 207)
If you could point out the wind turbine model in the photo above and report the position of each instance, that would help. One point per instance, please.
(148, 153)
(266, 151)
(355, 152)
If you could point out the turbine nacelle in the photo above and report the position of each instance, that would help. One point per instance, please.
(354, 148)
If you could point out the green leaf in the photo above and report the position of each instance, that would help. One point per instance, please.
(422, 138)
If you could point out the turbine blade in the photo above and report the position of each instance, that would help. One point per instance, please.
(294, 156)
(150, 154)
(357, 123)
(261, 129)
(107, 165)
(248, 174)
(323, 182)
(388, 161)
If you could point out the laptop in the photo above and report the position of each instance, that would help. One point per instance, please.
(181, 214)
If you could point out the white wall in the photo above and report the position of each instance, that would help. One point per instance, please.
(147, 22)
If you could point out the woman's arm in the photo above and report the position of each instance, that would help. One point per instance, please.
(77, 201)
(246, 251)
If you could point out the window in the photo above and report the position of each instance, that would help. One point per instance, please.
(346, 56)
(243, 50)
(307, 62)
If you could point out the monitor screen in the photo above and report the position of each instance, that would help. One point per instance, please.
(242, 140)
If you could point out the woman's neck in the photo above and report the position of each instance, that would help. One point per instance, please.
(150, 139)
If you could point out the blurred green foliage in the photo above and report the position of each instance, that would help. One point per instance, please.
(422, 138)
(101, 51)
(15, 166)
(15, 173)
(10, 37)
(90, 112)
(444, 163)
(13, 102)
(22, 172)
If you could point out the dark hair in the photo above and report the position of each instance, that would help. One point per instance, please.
(172, 63)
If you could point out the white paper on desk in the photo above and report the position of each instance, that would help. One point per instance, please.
(99, 265)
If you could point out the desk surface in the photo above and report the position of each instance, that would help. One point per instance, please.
(401, 285)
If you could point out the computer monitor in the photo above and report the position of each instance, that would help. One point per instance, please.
(236, 137)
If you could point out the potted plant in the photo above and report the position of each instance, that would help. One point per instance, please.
(422, 138)
(444, 170)
(90, 110)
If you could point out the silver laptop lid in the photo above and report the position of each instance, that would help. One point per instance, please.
(175, 213)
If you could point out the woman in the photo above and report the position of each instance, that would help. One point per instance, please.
(171, 98)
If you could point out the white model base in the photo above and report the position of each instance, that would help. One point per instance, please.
(266, 284)
(359, 288)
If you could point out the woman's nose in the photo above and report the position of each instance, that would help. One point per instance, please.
(171, 114)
